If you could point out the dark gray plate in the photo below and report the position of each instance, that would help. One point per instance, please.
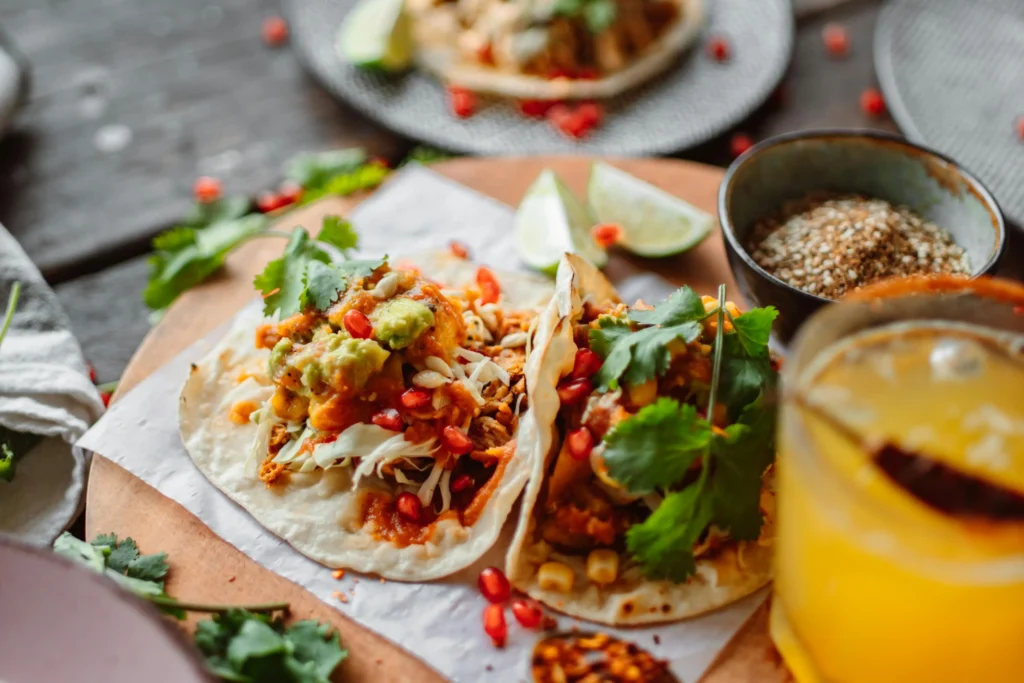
(953, 76)
(694, 101)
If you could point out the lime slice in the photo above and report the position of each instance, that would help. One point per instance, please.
(655, 223)
(551, 221)
(376, 34)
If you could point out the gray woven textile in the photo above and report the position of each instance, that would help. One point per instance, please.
(952, 72)
(692, 102)
(44, 390)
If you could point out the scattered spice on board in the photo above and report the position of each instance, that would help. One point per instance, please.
(829, 245)
(594, 657)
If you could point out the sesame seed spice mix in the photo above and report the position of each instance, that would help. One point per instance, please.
(829, 245)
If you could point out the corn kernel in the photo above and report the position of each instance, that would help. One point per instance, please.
(617, 667)
(557, 675)
(555, 576)
(710, 303)
(603, 566)
(643, 394)
(633, 674)
(731, 309)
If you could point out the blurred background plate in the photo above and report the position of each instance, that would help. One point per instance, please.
(62, 622)
(953, 76)
(692, 102)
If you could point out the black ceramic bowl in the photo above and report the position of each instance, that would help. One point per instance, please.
(790, 167)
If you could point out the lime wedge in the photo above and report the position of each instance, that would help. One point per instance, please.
(654, 222)
(376, 34)
(550, 221)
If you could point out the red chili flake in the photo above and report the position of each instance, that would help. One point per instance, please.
(837, 41)
(872, 103)
(456, 441)
(572, 392)
(409, 506)
(388, 419)
(231, 579)
(527, 612)
(591, 113)
(414, 398)
(207, 189)
(536, 109)
(357, 324)
(463, 101)
(1020, 127)
(494, 585)
(458, 249)
(740, 143)
(586, 364)
(461, 483)
(92, 373)
(606, 234)
(719, 48)
(105, 397)
(490, 290)
(494, 624)
(269, 201)
(657, 639)
(290, 192)
(275, 31)
(581, 443)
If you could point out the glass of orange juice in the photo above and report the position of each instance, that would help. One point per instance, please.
(900, 540)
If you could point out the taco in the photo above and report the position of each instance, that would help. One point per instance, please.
(382, 429)
(551, 49)
(645, 510)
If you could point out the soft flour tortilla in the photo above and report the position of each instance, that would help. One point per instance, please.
(442, 59)
(734, 572)
(319, 513)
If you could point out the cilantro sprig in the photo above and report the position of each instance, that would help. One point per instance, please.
(657, 449)
(248, 644)
(598, 15)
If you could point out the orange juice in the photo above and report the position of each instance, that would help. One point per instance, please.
(903, 575)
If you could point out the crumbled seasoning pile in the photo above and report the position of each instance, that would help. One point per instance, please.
(829, 245)
(594, 658)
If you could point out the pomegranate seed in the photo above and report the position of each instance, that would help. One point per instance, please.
(456, 441)
(586, 364)
(574, 391)
(409, 506)
(275, 31)
(490, 290)
(463, 101)
(461, 483)
(581, 443)
(494, 624)
(872, 103)
(837, 41)
(606, 234)
(591, 113)
(494, 585)
(105, 397)
(268, 201)
(536, 109)
(414, 398)
(92, 373)
(207, 189)
(587, 73)
(290, 192)
(1020, 127)
(527, 612)
(357, 324)
(740, 143)
(574, 125)
(388, 419)
(458, 249)
(719, 49)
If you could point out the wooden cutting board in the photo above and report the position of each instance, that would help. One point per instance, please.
(206, 568)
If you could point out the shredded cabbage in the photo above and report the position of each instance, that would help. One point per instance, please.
(376, 447)
(446, 494)
(426, 492)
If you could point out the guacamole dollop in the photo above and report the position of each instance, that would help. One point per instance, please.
(334, 360)
(400, 321)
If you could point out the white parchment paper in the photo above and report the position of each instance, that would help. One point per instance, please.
(439, 622)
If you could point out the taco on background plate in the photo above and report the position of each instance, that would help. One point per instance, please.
(654, 502)
(551, 49)
(382, 426)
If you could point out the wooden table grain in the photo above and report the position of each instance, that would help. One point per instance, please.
(133, 99)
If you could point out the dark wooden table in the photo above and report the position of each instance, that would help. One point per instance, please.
(133, 99)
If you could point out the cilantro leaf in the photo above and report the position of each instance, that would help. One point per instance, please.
(753, 329)
(655, 447)
(149, 567)
(639, 356)
(282, 282)
(683, 305)
(663, 543)
(254, 639)
(314, 643)
(109, 540)
(599, 15)
(6, 462)
(122, 555)
(744, 377)
(339, 233)
(740, 461)
(322, 284)
(314, 170)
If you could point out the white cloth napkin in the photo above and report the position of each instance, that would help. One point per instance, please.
(44, 390)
